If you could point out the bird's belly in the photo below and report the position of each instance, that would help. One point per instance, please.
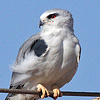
(58, 64)
(65, 72)
(56, 70)
(51, 66)
(67, 69)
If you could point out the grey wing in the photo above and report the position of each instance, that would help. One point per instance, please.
(36, 46)
(27, 47)
(24, 49)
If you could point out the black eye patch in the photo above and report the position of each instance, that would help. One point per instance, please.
(51, 16)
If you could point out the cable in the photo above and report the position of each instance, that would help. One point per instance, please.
(64, 93)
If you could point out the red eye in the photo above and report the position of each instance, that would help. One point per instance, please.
(52, 16)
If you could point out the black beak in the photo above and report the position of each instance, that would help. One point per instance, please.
(40, 23)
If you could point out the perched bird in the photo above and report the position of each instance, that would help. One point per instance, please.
(47, 60)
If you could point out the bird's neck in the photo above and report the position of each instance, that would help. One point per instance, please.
(54, 29)
(62, 32)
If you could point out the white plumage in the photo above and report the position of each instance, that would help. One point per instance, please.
(49, 58)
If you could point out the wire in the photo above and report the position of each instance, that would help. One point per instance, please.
(63, 93)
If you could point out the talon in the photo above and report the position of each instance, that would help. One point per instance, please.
(43, 89)
(56, 93)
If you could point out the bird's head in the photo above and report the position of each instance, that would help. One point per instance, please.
(56, 17)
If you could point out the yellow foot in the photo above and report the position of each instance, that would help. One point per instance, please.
(43, 89)
(56, 92)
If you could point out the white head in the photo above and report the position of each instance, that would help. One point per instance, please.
(56, 18)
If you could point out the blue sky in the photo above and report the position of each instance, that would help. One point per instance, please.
(19, 20)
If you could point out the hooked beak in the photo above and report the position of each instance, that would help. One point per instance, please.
(41, 23)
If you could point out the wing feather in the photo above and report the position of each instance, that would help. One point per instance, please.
(25, 48)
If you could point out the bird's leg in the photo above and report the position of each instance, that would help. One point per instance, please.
(43, 89)
(56, 92)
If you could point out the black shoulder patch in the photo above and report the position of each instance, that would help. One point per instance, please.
(39, 47)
